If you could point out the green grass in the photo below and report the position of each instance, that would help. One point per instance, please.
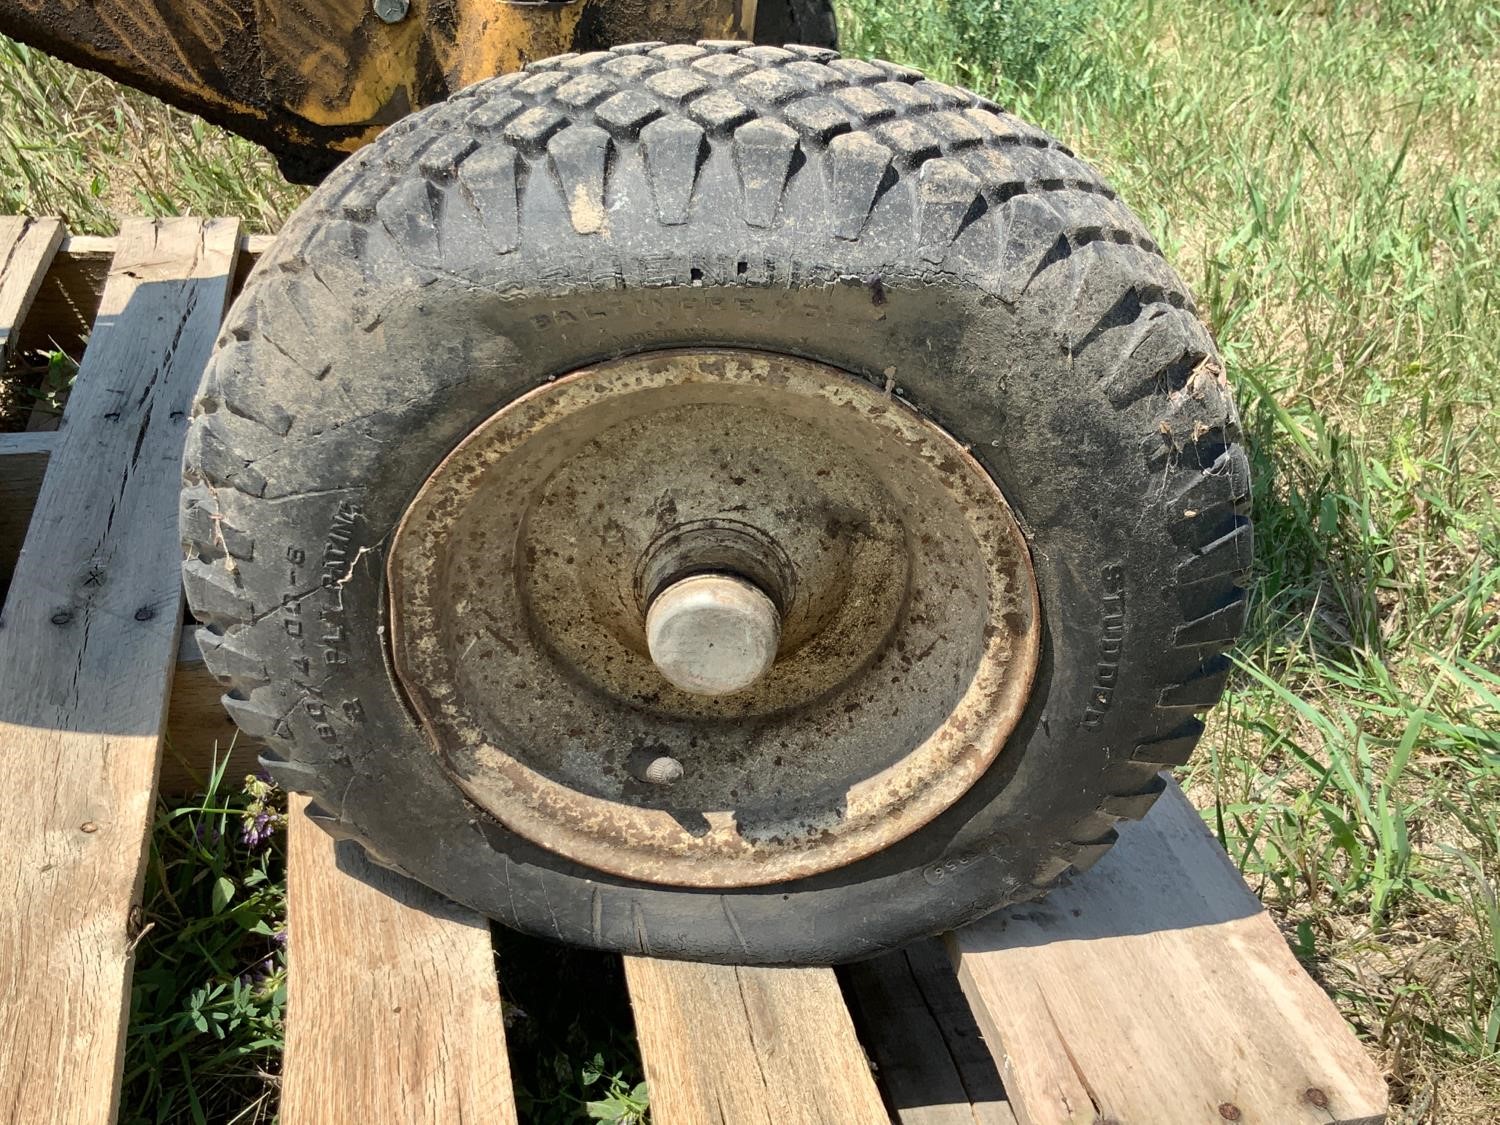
(1327, 179)
(75, 144)
(209, 988)
(1326, 176)
(569, 1030)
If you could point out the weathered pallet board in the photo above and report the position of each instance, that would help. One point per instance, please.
(1151, 990)
(726, 1045)
(89, 642)
(27, 247)
(931, 1057)
(1155, 989)
(393, 1007)
(50, 292)
(200, 733)
(65, 305)
(49, 295)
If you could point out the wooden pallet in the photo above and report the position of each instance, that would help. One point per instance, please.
(1151, 990)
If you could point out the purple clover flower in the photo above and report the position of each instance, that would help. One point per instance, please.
(257, 831)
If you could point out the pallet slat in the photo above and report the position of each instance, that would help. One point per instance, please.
(933, 1064)
(749, 1046)
(69, 296)
(199, 730)
(27, 247)
(86, 655)
(1156, 989)
(65, 306)
(27, 250)
(23, 465)
(62, 288)
(71, 281)
(393, 1009)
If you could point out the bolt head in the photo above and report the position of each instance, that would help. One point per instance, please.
(391, 11)
(713, 634)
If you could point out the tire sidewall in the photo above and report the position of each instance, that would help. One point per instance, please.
(389, 348)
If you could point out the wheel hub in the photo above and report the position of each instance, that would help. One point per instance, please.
(713, 634)
(712, 618)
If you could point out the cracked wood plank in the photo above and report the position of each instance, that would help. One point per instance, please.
(393, 1008)
(1155, 990)
(68, 287)
(27, 247)
(749, 1046)
(87, 648)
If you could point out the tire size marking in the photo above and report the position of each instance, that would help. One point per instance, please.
(293, 625)
(947, 868)
(323, 626)
(1112, 633)
(935, 873)
(338, 568)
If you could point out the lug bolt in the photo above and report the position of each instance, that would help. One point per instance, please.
(391, 11)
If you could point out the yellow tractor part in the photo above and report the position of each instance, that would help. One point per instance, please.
(313, 80)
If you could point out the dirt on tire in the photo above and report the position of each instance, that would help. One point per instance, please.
(779, 199)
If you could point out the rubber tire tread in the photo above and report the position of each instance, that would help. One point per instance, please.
(949, 199)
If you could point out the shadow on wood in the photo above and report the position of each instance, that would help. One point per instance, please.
(1155, 989)
(1141, 887)
(87, 649)
(930, 1056)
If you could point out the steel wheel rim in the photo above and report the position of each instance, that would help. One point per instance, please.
(513, 601)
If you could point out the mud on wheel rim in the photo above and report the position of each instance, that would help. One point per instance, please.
(771, 504)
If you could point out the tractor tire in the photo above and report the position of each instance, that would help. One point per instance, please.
(744, 222)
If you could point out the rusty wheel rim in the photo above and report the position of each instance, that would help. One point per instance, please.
(905, 609)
